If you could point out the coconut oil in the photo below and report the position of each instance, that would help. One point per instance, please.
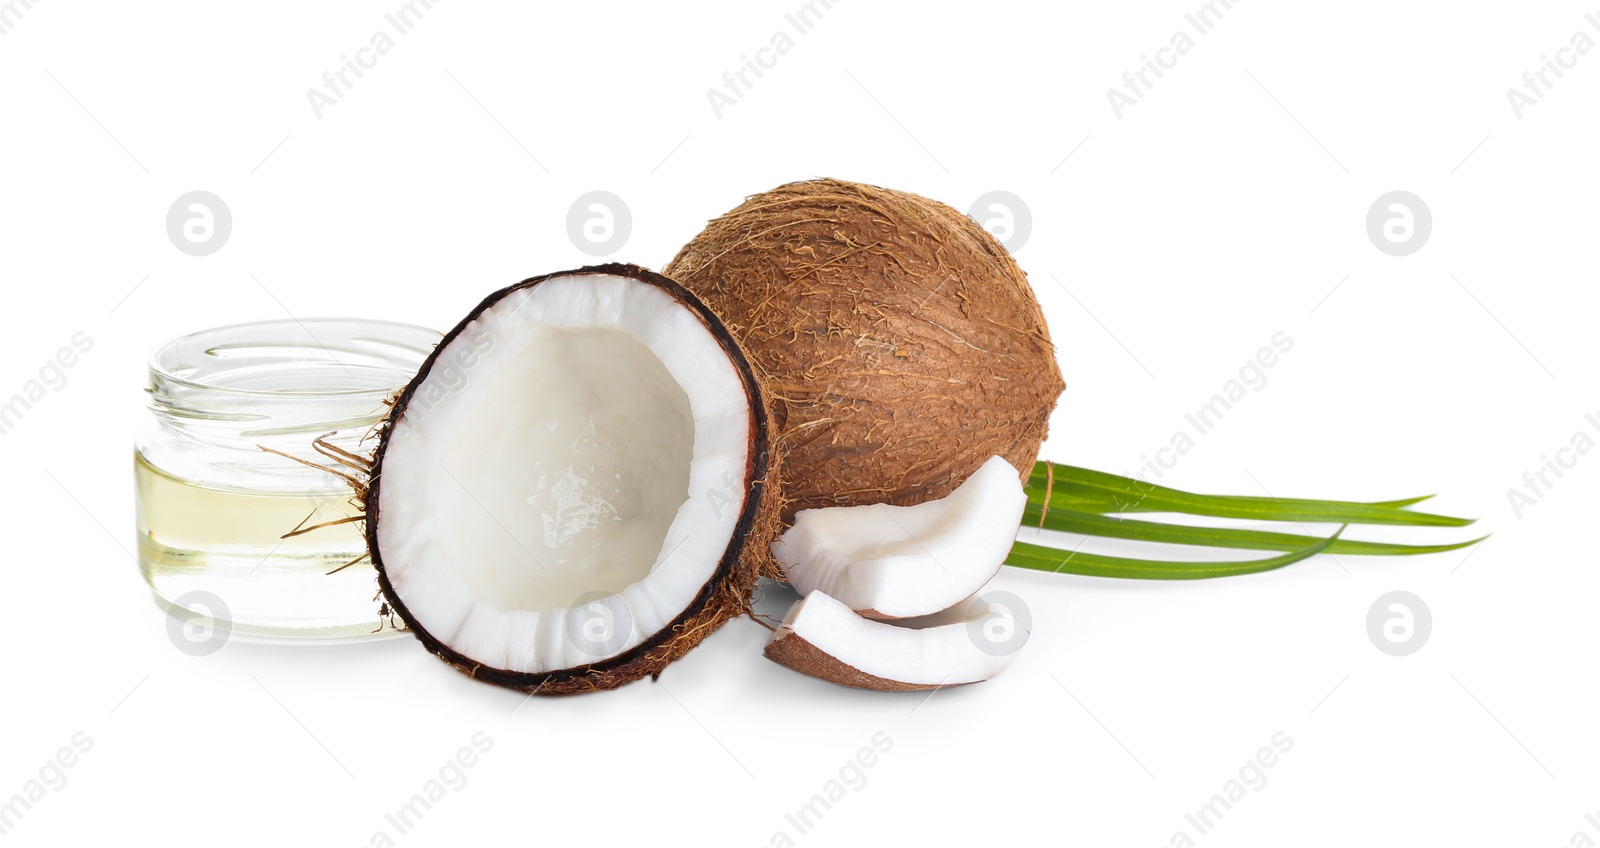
(198, 538)
(243, 477)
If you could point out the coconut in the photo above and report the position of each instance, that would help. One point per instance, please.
(574, 490)
(822, 638)
(906, 561)
(900, 345)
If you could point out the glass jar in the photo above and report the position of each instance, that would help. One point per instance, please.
(258, 433)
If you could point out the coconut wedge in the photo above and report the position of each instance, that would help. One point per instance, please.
(825, 639)
(573, 490)
(887, 561)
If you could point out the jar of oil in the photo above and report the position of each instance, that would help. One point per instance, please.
(246, 476)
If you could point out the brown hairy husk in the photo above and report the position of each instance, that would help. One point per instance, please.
(900, 345)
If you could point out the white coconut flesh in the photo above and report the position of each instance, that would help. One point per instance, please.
(843, 647)
(903, 561)
(563, 490)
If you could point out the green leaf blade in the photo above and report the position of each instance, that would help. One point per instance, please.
(1041, 558)
(1090, 524)
(1086, 490)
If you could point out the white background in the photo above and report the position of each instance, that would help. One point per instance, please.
(1226, 206)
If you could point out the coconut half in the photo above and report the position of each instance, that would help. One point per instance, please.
(573, 490)
(825, 639)
(886, 561)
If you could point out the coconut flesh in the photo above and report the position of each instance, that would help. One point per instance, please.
(571, 493)
(885, 561)
(823, 638)
(922, 565)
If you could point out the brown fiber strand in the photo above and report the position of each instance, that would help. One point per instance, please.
(332, 451)
(359, 486)
(1049, 486)
(301, 531)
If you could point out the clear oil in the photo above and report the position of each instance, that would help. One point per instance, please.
(229, 543)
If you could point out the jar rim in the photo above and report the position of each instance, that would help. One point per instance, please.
(392, 334)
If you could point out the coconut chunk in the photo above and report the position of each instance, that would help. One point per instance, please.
(887, 561)
(825, 639)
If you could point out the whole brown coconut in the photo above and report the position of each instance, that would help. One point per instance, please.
(899, 343)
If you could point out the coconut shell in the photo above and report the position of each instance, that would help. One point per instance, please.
(899, 344)
(724, 597)
(794, 652)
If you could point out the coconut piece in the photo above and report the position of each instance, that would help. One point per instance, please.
(825, 639)
(572, 492)
(887, 561)
(900, 344)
